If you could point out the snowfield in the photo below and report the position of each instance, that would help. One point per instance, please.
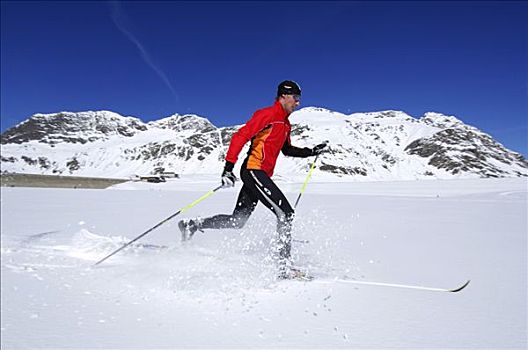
(220, 291)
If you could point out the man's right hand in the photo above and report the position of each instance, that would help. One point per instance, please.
(228, 178)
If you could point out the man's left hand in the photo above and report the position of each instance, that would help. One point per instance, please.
(319, 149)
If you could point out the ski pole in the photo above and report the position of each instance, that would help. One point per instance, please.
(302, 191)
(187, 207)
(303, 188)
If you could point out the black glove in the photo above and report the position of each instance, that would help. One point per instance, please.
(228, 178)
(319, 149)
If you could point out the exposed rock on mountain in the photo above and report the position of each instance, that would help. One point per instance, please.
(387, 145)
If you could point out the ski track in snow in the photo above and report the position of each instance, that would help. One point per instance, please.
(220, 290)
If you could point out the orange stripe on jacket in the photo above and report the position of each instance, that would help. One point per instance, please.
(257, 153)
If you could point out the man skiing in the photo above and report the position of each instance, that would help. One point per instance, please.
(269, 132)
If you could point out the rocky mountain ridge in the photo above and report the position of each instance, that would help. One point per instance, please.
(386, 145)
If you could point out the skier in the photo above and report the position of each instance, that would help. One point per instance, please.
(269, 132)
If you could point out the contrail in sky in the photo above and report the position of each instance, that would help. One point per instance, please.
(120, 20)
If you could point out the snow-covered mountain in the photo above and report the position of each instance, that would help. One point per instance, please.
(388, 145)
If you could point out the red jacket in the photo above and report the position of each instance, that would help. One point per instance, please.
(269, 132)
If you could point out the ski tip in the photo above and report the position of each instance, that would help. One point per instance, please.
(460, 288)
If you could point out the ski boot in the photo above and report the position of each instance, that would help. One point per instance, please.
(188, 228)
(294, 274)
(288, 272)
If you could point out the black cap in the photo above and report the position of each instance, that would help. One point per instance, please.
(288, 87)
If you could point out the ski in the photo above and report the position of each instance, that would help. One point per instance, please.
(302, 278)
(149, 246)
(406, 286)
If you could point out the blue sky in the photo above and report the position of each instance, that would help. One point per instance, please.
(223, 60)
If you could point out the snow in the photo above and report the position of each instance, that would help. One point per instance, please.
(364, 146)
(219, 290)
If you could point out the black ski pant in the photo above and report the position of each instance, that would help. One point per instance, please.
(258, 187)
